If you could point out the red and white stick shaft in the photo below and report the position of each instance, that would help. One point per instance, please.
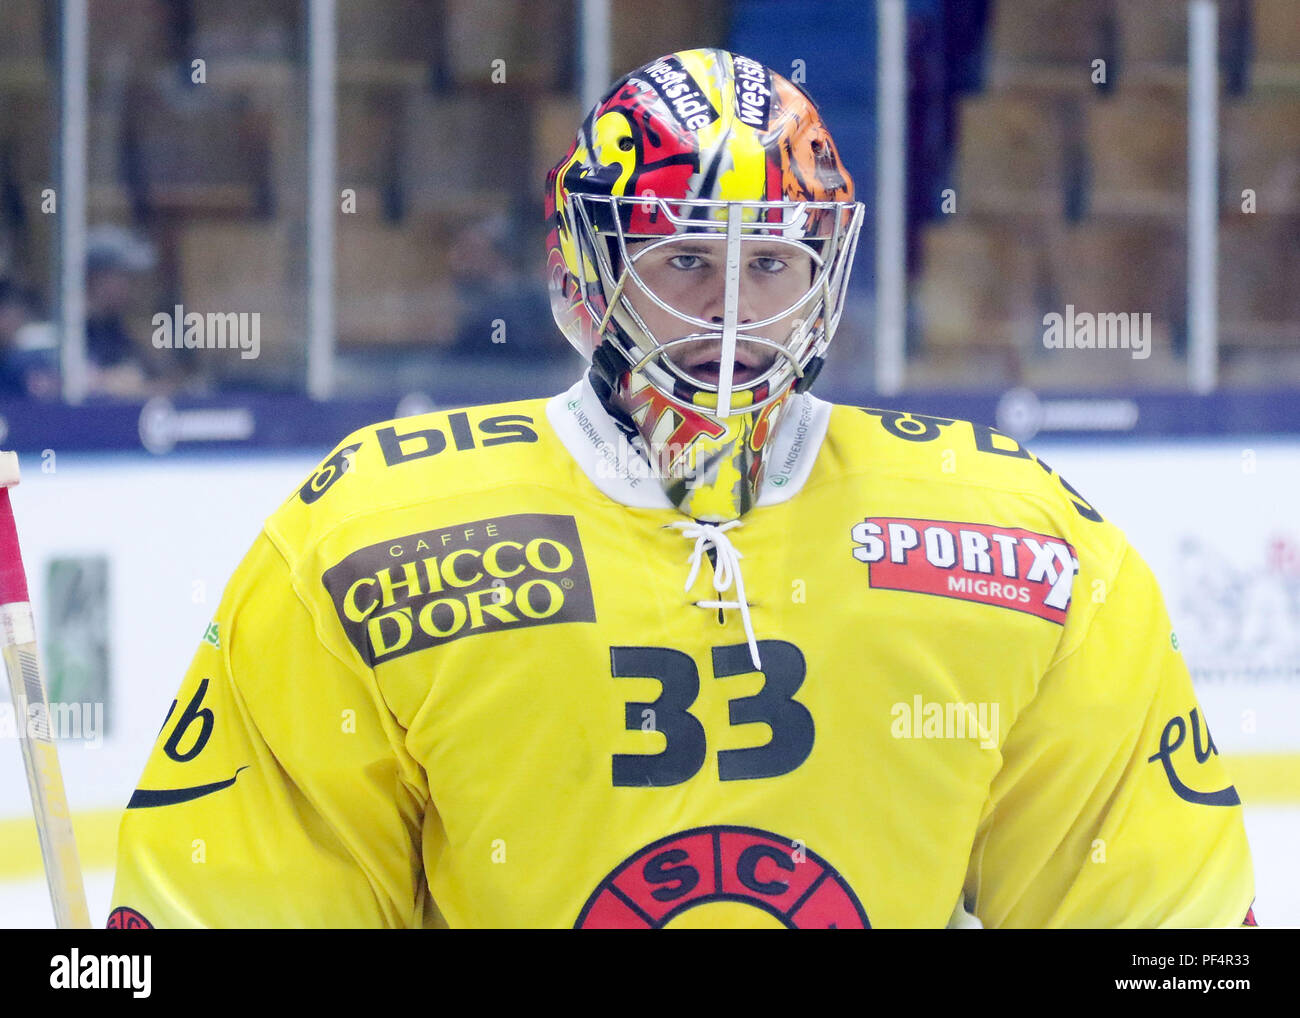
(32, 713)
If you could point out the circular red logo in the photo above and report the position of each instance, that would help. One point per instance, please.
(123, 918)
(722, 863)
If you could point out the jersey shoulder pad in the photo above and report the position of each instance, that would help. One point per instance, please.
(949, 451)
(967, 465)
(411, 460)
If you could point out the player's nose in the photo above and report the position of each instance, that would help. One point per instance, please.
(716, 306)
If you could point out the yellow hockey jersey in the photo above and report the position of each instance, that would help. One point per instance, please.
(474, 672)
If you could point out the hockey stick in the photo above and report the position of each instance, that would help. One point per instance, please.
(27, 689)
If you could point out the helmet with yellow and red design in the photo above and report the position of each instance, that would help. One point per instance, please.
(707, 166)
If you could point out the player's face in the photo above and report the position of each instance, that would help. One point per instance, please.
(689, 274)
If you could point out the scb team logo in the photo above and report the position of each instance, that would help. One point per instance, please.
(719, 876)
(125, 918)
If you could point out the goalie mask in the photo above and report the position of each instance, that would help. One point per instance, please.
(701, 234)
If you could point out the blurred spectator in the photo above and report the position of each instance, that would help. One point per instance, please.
(503, 312)
(115, 258)
(28, 355)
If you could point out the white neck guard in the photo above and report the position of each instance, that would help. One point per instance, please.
(593, 439)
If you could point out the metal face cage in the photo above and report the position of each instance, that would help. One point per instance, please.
(826, 231)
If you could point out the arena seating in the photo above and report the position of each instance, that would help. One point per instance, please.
(1091, 181)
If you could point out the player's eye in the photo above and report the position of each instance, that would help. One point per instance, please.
(768, 264)
(678, 261)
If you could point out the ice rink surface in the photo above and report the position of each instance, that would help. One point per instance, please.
(1274, 833)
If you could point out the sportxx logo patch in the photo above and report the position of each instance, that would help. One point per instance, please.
(432, 587)
(1002, 566)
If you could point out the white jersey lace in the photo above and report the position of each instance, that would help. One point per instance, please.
(726, 570)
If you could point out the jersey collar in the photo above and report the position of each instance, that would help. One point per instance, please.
(592, 437)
